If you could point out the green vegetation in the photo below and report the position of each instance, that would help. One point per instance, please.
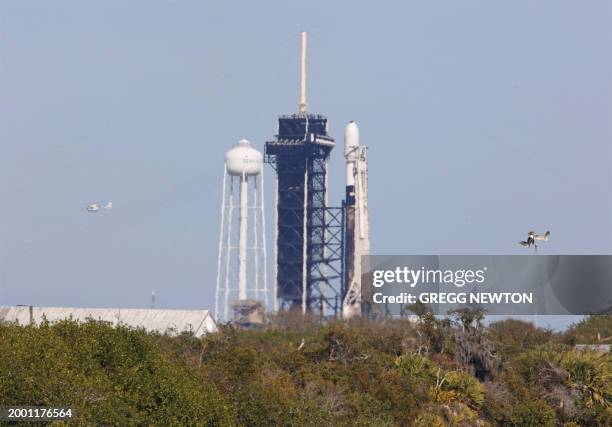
(590, 330)
(296, 371)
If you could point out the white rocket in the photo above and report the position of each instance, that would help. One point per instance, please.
(357, 219)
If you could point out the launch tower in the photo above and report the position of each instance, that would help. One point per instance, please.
(309, 234)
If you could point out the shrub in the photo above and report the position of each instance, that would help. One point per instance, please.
(467, 388)
(429, 420)
(415, 366)
(533, 414)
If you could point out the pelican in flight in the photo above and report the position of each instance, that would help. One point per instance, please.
(95, 207)
(532, 237)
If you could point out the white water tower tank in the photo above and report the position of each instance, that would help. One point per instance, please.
(241, 266)
(243, 159)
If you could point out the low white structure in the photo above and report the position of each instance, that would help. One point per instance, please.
(597, 348)
(200, 322)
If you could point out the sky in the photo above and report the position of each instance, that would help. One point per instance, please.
(484, 120)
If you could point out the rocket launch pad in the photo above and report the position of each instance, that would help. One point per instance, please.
(319, 249)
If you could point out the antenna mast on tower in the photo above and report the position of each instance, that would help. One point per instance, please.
(303, 105)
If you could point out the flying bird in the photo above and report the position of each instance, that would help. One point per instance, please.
(532, 237)
(95, 207)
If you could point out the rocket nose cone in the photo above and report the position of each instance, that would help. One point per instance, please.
(351, 135)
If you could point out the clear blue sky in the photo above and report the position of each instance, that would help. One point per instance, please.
(484, 120)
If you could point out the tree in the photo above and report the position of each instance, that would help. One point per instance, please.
(468, 317)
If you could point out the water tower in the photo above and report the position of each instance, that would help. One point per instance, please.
(241, 268)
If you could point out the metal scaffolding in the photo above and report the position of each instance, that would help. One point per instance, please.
(309, 234)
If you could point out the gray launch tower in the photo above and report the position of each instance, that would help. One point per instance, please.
(309, 234)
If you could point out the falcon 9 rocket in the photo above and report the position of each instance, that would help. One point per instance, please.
(357, 245)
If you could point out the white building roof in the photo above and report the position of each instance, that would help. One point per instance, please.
(200, 322)
(598, 348)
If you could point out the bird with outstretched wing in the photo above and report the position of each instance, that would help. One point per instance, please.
(532, 237)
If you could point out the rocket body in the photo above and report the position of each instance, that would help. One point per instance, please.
(351, 144)
(357, 233)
